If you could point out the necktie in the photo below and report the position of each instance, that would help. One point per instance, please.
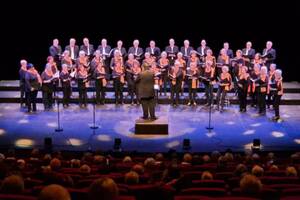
(88, 50)
(136, 49)
(185, 51)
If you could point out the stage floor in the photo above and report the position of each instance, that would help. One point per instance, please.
(231, 129)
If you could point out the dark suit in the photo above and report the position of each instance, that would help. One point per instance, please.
(229, 53)
(107, 51)
(122, 50)
(186, 54)
(172, 53)
(138, 54)
(250, 55)
(199, 50)
(156, 51)
(146, 93)
(76, 50)
(270, 54)
(85, 49)
(55, 51)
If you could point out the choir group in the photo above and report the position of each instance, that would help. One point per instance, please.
(246, 72)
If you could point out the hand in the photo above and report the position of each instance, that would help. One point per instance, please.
(32, 89)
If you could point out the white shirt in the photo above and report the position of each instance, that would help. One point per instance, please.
(88, 50)
(136, 51)
(72, 53)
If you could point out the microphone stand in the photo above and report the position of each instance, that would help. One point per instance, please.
(94, 126)
(209, 127)
(59, 128)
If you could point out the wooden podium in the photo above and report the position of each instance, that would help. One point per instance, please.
(152, 127)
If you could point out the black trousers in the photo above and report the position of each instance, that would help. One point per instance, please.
(132, 90)
(66, 93)
(209, 93)
(175, 89)
(23, 98)
(100, 91)
(118, 90)
(82, 93)
(261, 99)
(164, 77)
(47, 99)
(254, 97)
(242, 94)
(270, 98)
(221, 94)
(192, 93)
(31, 100)
(276, 104)
(148, 105)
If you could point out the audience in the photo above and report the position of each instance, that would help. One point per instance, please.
(174, 171)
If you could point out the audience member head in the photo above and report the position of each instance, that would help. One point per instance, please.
(104, 189)
(250, 185)
(54, 192)
(257, 171)
(13, 185)
(131, 178)
(206, 175)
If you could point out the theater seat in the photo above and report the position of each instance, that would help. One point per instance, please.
(16, 197)
(291, 198)
(216, 192)
(279, 180)
(291, 192)
(211, 198)
(208, 183)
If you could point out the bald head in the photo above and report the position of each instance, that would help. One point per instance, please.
(54, 192)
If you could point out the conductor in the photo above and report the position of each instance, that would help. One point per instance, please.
(145, 81)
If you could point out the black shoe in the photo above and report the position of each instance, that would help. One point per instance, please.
(144, 118)
(154, 118)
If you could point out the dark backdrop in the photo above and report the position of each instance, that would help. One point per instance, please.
(28, 27)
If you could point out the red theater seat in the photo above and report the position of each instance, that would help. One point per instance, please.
(291, 192)
(16, 197)
(208, 183)
(216, 192)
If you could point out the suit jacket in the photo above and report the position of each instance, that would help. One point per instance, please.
(251, 53)
(140, 51)
(189, 49)
(229, 53)
(55, 51)
(76, 50)
(123, 51)
(145, 82)
(169, 50)
(85, 49)
(107, 50)
(156, 51)
(200, 51)
(270, 54)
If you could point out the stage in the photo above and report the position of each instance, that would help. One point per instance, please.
(232, 129)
